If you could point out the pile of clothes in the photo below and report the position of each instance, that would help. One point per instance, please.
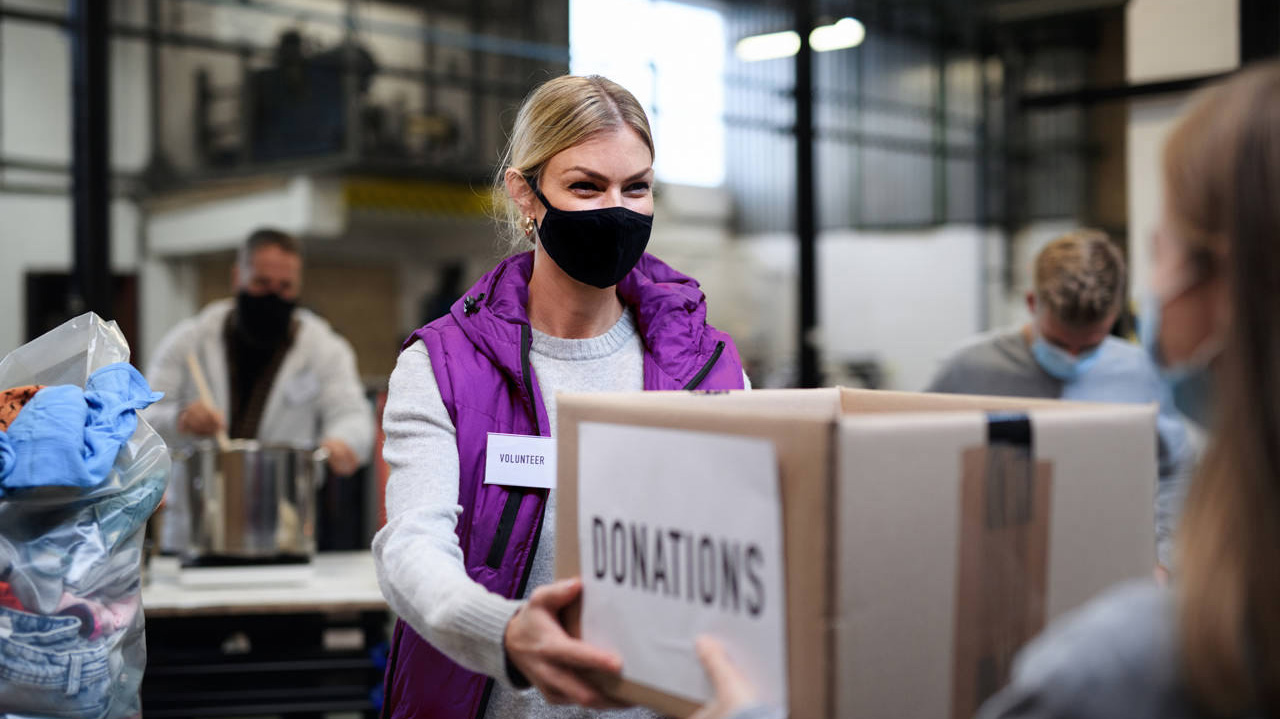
(78, 481)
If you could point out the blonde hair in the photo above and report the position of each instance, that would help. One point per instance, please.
(559, 114)
(1080, 277)
(1222, 176)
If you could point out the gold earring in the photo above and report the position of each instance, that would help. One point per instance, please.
(529, 225)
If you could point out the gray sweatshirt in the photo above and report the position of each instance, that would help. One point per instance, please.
(1117, 656)
(419, 560)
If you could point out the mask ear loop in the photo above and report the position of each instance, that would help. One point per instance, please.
(1210, 347)
(530, 224)
(532, 182)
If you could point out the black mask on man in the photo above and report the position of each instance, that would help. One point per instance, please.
(263, 320)
(594, 247)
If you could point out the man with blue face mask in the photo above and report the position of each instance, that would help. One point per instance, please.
(1067, 352)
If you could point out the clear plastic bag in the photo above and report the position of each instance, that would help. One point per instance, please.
(72, 642)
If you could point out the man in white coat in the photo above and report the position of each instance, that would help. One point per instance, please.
(277, 373)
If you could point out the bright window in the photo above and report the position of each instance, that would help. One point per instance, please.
(671, 56)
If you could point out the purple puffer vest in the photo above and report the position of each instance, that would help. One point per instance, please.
(480, 355)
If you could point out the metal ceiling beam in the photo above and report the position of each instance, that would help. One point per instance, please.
(1096, 95)
(1024, 10)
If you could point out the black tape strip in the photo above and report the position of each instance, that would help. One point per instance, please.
(1010, 469)
(1009, 428)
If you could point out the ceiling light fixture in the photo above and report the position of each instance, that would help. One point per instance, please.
(768, 47)
(844, 33)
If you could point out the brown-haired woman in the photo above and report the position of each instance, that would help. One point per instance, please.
(1210, 647)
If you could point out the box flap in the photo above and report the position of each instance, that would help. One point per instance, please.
(897, 493)
(857, 401)
(1105, 518)
(812, 403)
(899, 540)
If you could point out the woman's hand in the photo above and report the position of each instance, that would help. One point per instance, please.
(733, 692)
(549, 658)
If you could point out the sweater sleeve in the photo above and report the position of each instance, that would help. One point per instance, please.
(419, 560)
(758, 711)
(1115, 656)
(167, 372)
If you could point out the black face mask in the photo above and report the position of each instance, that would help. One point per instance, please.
(263, 320)
(594, 247)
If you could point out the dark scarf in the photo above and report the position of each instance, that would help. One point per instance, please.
(252, 367)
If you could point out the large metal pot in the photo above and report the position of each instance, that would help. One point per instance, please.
(253, 501)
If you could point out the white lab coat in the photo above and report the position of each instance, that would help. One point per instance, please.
(316, 395)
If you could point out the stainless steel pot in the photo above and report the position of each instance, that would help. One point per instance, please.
(253, 501)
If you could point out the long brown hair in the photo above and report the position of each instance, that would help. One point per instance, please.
(1222, 179)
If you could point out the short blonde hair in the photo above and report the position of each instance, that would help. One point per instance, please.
(1080, 277)
(559, 114)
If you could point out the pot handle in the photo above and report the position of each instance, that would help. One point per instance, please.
(320, 465)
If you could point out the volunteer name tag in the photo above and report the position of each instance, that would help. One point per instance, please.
(517, 460)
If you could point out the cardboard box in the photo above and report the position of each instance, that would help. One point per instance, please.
(926, 537)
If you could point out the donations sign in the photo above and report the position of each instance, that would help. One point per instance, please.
(680, 535)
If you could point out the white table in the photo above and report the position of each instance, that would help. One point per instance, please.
(340, 582)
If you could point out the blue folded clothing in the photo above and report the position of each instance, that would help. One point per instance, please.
(7, 458)
(69, 437)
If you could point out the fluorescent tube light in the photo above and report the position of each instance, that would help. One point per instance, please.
(845, 33)
(768, 47)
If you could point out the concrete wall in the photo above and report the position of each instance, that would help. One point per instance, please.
(1165, 40)
(35, 236)
(35, 126)
(901, 299)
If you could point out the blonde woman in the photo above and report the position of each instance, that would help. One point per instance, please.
(468, 565)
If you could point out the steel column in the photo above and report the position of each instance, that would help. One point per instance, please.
(91, 171)
(806, 204)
